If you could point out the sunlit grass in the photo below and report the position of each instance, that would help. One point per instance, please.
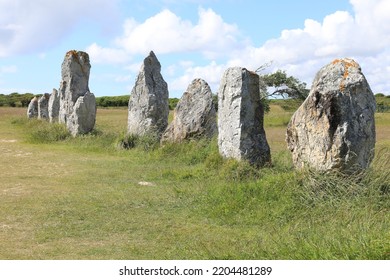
(85, 198)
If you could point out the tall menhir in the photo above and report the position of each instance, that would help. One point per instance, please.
(241, 133)
(77, 103)
(148, 104)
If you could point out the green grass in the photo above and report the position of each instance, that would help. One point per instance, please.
(85, 198)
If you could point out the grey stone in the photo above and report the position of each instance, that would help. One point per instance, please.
(82, 120)
(54, 106)
(241, 133)
(75, 96)
(32, 109)
(148, 104)
(334, 128)
(43, 109)
(194, 115)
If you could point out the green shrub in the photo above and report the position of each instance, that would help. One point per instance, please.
(172, 103)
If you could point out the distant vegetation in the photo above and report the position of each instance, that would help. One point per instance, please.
(23, 99)
(113, 101)
(16, 99)
(382, 103)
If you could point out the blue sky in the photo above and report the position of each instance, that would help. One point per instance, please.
(191, 38)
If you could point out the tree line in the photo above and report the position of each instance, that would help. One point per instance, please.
(277, 85)
(23, 99)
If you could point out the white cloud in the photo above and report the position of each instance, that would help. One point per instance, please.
(166, 33)
(33, 26)
(364, 36)
(100, 54)
(211, 73)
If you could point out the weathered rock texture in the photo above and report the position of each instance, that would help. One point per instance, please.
(194, 115)
(54, 106)
(43, 109)
(148, 104)
(77, 103)
(240, 118)
(32, 109)
(334, 128)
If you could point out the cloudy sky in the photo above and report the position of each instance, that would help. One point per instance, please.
(191, 38)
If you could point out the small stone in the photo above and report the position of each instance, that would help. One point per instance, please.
(32, 109)
(334, 128)
(43, 107)
(147, 184)
(54, 106)
(82, 120)
(194, 116)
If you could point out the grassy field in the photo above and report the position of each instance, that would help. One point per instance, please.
(84, 198)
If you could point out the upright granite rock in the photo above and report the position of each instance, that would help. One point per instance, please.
(334, 129)
(77, 103)
(194, 115)
(240, 118)
(54, 106)
(43, 109)
(148, 104)
(32, 109)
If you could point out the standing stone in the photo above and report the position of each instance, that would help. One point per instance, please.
(43, 110)
(54, 106)
(32, 109)
(148, 104)
(334, 128)
(240, 118)
(194, 115)
(75, 97)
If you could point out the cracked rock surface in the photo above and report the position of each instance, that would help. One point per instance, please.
(334, 128)
(194, 116)
(77, 104)
(241, 133)
(148, 104)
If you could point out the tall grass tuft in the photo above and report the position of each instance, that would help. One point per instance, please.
(41, 131)
(147, 142)
(335, 187)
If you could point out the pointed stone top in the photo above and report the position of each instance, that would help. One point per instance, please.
(152, 61)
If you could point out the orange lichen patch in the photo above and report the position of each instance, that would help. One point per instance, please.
(347, 63)
(71, 53)
(79, 56)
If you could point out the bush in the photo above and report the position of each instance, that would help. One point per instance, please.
(173, 103)
(16, 99)
(113, 101)
(381, 107)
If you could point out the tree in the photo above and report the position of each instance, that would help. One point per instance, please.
(283, 85)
